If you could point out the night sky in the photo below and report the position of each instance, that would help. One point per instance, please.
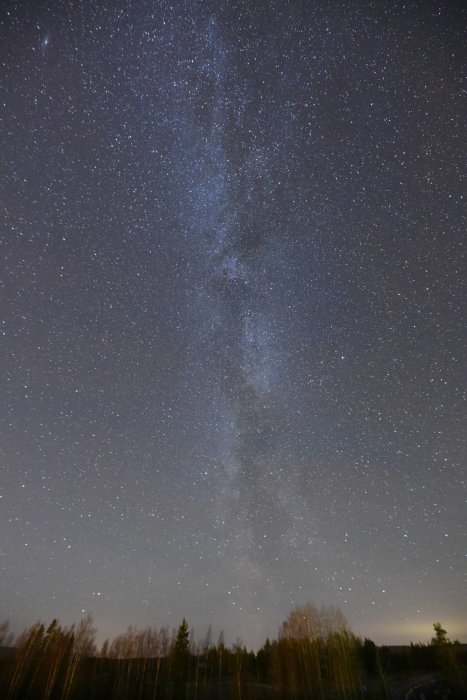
(233, 350)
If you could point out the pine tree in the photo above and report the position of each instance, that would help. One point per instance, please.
(181, 655)
(182, 641)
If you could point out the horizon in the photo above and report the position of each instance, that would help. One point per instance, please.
(425, 634)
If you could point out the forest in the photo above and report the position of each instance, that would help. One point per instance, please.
(316, 655)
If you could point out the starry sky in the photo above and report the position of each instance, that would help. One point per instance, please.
(233, 314)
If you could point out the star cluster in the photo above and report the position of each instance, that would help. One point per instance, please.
(233, 314)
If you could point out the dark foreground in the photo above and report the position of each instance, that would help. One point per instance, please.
(323, 662)
(150, 679)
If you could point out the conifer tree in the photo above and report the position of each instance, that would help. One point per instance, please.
(182, 641)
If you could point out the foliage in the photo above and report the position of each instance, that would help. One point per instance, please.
(182, 641)
(307, 622)
(315, 656)
(441, 636)
(46, 660)
(447, 658)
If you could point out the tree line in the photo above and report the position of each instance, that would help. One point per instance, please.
(316, 655)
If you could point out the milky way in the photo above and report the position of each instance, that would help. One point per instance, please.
(233, 314)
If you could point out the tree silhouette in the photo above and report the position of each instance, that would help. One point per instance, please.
(182, 640)
(181, 655)
(315, 656)
(441, 636)
(447, 658)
